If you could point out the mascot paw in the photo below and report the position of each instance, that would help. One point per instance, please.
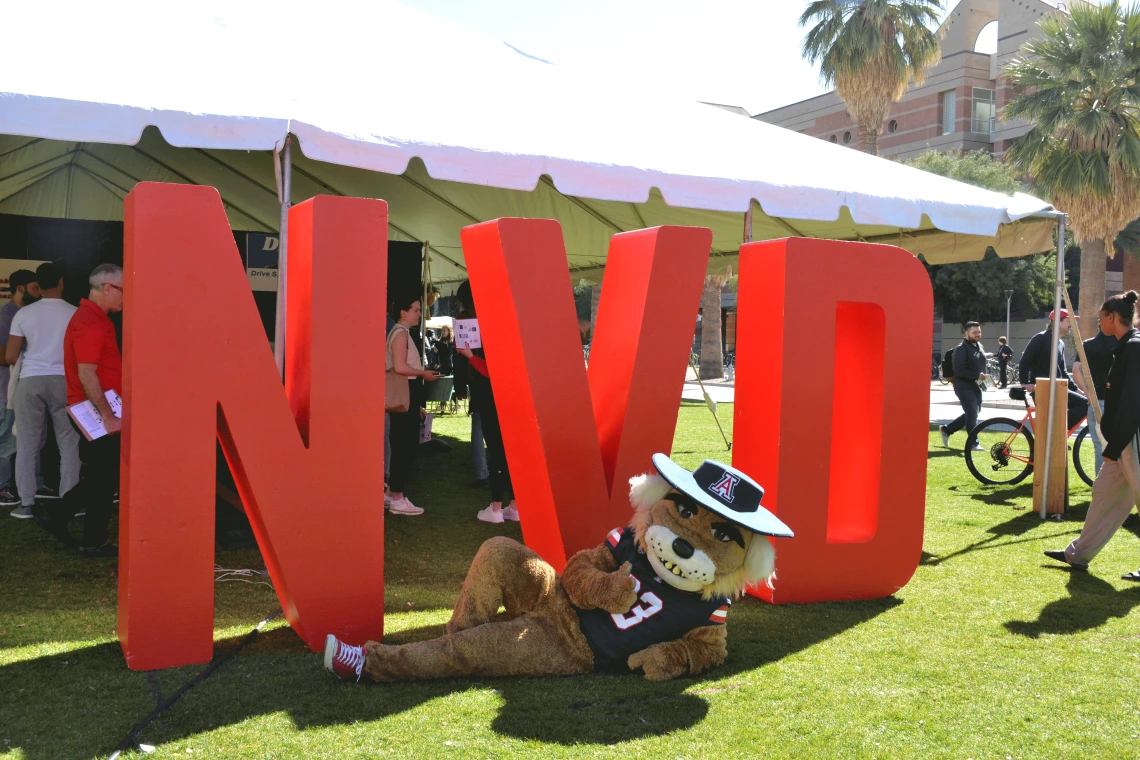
(660, 662)
(622, 592)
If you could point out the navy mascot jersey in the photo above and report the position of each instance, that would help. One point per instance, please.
(661, 613)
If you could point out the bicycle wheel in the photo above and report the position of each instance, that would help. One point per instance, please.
(1084, 456)
(1006, 456)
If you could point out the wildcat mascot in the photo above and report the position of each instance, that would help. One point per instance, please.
(653, 596)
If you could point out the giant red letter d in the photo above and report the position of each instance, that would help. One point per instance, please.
(198, 368)
(831, 410)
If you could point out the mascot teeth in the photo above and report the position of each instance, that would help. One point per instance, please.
(668, 565)
(676, 570)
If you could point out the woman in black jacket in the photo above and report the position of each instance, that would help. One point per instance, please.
(482, 402)
(1117, 486)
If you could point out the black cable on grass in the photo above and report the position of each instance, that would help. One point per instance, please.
(131, 741)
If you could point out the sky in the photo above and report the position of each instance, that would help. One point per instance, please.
(737, 52)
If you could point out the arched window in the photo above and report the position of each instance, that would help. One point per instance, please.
(833, 139)
(987, 39)
(893, 126)
(846, 138)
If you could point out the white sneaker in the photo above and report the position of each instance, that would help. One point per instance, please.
(945, 435)
(404, 506)
(978, 447)
(490, 514)
(387, 499)
(511, 513)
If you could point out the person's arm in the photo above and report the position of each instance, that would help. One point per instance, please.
(1078, 377)
(12, 349)
(400, 359)
(1126, 421)
(89, 379)
(477, 363)
(1028, 356)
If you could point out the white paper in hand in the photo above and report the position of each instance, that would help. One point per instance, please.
(87, 417)
(467, 334)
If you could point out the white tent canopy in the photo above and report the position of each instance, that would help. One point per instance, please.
(450, 127)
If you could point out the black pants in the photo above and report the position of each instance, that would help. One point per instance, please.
(95, 492)
(497, 471)
(404, 438)
(1002, 362)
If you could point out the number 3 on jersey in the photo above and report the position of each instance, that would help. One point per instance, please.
(650, 605)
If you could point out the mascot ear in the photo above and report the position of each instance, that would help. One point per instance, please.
(760, 562)
(646, 490)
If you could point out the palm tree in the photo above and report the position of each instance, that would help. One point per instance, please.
(712, 353)
(869, 50)
(1078, 85)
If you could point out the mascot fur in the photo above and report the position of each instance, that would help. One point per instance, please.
(653, 596)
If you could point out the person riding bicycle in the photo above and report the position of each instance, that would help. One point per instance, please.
(1035, 364)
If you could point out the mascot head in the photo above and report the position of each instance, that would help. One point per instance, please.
(704, 531)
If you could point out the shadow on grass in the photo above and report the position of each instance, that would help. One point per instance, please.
(1091, 603)
(276, 673)
(1022, 523)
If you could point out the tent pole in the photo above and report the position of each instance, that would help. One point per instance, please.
(283, 255)
(424, 303)
(748, 223)
(1059, 285)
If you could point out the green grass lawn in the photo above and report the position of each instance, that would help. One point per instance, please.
(991, 651)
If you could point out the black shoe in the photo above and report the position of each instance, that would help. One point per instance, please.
(106, 550)
(53, 525)
(1059, 555)
(47, 493)
(7, 498)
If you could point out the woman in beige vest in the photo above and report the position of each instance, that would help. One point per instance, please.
(404, 434)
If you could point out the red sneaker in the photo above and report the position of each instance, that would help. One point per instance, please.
(342, 660)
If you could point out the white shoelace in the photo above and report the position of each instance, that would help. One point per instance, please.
(353, 657)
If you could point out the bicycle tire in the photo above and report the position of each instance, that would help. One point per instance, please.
(1082, 439)
(982, 464)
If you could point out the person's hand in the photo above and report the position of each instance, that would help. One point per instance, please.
(465, 352)
(430, 375)
(113, 425)
(423, 413)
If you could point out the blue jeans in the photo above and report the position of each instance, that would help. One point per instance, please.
(1093, 433)
(478, 453)
(970, 395)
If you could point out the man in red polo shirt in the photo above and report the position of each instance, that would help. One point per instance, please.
(93, 365)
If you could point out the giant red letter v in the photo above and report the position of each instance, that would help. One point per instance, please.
(574, 438)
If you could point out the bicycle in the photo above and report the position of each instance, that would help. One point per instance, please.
(1006, 456)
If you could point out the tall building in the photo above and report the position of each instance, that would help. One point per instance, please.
(956, 107)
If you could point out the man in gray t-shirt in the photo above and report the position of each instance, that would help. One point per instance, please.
(25, 291)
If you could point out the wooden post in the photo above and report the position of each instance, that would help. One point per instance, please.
(1058, 496)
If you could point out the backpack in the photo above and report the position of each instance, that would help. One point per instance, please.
(948, 365)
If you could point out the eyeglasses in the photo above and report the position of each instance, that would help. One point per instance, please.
(117, 287)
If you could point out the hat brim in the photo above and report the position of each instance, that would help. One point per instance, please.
(761, 521)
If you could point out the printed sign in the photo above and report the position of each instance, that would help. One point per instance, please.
(261, 260)
(467, 334)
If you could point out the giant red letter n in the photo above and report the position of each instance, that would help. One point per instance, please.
(832, 402)
(198, 369)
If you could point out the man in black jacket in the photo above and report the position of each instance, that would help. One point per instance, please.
(1117, 485)
(969, 367)
(1035, 364)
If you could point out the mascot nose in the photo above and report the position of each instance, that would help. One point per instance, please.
(682, 548)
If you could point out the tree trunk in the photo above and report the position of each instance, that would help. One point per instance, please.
(1093, 263)
(1131, 272)
(869, 139)
(712, 357)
